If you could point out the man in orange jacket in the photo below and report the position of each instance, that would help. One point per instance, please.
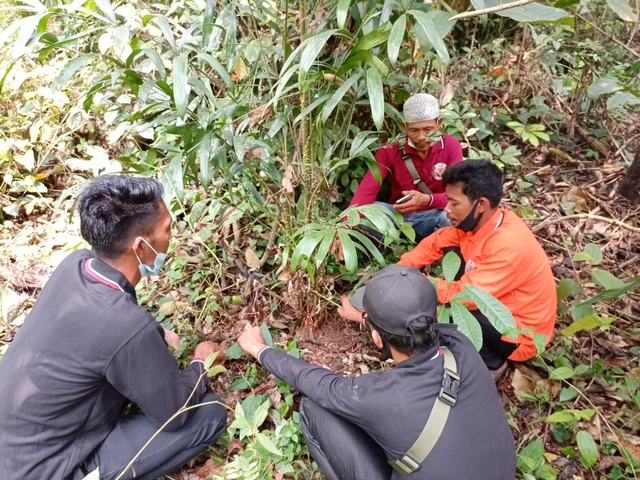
(500, 255)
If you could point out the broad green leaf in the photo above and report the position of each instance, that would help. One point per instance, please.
(71, 69)
(443, 314)
(567, 287)
(588, 448)
(219, 69)
(623, 10)
(368, 244)
(174, 177)
(462, 296)
(499, 315)
(205, 155)
(381, 219)
(620, 99)
(328, 108)
(606, 279)
(612, 293)
(325, 245)
(181, 88)
(207, 22)
(268, 444)
(354, 58)
(215, 370)
(312, 108)
(349, 250)
(305, 248)
(208, 362)
(312, 49)
(361, 143)
(373, 38)
(406, 228)
(157, 61)
(341, 12)
(567, 394)
(234, 352)
(545, 472)
(467, 323)
(603, 86)
(107, 9)
(387, 9)
(531, 456)
(261, 414)
(266, 335)
(561, 373)
(376, 96)
(450, 266)
(426, 22)
(594, 252)
(251, 404)
(584, 323)
(166, 30)
(395, 38)
(560, 417)
(580, 309)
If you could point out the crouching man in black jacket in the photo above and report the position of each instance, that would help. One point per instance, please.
(435, 416)
(87, 349)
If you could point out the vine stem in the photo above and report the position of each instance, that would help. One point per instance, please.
(497, 8)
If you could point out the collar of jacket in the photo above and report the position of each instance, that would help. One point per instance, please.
(100, 272)
(492, 225)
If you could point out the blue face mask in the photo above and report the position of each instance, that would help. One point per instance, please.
(157, 263)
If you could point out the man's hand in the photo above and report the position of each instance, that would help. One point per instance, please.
(419, 201)
(251, 341)
(349, 312)
(204, 349)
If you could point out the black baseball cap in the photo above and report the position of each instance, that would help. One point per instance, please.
(399, 299)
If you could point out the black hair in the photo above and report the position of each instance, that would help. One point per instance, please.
(477, 178)
(114, 209)
(422, 339)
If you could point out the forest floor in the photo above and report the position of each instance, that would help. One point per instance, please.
(579, 205)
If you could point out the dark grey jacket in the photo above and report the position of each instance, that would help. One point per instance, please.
(393, 407)
(85, 351)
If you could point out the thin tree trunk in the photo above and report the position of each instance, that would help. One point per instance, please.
(630, 188)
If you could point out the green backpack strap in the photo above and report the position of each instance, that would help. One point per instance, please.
(408, 161)
(412, 460)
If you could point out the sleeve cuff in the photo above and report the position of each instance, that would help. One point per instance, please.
(260, 353)
(199, 360)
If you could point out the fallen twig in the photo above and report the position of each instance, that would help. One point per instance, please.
(497, 8)
(588, 216)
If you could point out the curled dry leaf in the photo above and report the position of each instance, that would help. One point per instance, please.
(528, 382)
(287, 178)
(574, 198)
(235, 446)
(258, 115)
(251, 258)
(172, 338)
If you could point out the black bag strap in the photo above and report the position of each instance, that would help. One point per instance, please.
(412, 460)
(402, 139)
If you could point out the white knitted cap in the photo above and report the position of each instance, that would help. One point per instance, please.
(421, 107)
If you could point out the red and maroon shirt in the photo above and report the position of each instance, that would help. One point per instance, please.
(444, 152)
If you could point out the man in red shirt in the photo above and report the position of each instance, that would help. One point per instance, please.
(427, 156)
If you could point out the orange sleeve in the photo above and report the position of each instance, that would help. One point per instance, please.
(430, 249)
(494, 274)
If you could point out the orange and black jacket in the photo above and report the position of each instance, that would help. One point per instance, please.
(504, 259)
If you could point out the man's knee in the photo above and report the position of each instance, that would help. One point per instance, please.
(210, 418)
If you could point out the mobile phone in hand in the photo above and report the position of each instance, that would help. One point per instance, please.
(405, 199)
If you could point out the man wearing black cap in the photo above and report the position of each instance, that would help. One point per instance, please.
(435, 416)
